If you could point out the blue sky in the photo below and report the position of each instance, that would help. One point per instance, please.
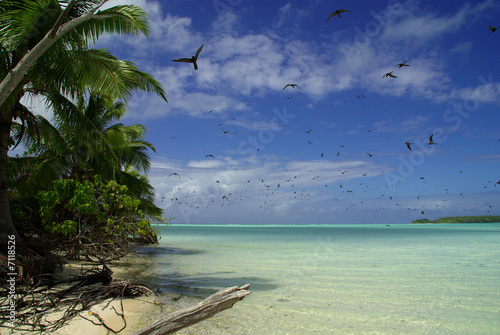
(268, 167)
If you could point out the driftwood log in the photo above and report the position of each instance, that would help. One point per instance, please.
(212, 305)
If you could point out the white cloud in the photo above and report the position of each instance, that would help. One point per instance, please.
(420, 26)
(284, 14)
(260, 185)
(485, 93)
(205, 164)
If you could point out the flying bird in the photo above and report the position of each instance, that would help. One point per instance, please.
(292, 85)
(431, 142)
(337, 12)
(403, 64)
(192, 59)
(389, 74)
(369, 154)
(308, 131)
(174, 174)
(493, 29)
(209, 156)
(408, 145)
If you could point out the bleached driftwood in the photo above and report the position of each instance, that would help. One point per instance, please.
(212, 305)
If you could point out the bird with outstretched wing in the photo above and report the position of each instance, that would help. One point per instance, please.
(337, 12)
(190, 60)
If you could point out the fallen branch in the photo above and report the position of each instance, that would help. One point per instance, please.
(212, 305)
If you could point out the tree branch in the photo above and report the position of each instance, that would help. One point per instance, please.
(212, 305)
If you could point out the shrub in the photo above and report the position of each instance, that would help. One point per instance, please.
(94, 219)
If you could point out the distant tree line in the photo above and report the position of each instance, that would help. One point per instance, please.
(463, 219)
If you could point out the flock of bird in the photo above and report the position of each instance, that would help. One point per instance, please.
(273, 195)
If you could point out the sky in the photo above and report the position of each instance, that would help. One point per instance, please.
(234, 147)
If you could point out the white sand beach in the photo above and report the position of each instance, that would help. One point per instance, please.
(138, 312)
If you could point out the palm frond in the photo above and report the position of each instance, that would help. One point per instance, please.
(121, 19)
(33, 174)
(96, 70)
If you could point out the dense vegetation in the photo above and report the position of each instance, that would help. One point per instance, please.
(80, 189)
(462, 219)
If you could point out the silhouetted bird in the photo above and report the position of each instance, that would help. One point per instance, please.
(292, 85)
(431, 142)
(403, 64)
(209, 156)
(174, 174)
(192, 59)
(308, 131)
(389, 74)
(337, 12)
(369, 154)
(408, 145)
(493, 29)
(228, 132)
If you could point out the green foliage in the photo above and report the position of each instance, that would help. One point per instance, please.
(83, 140)
(462, 219)
(93, 218)
(76, 211)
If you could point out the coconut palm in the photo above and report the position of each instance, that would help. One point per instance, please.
(85, 139)
(44, 47)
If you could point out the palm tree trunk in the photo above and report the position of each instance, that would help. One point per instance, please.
(6, 226)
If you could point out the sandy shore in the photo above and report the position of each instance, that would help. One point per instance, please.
(139, 312)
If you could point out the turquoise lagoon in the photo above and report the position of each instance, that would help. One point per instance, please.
(334, 279)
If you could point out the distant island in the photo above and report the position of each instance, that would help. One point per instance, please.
(462, 219)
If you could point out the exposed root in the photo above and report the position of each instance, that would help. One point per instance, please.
(70, 296)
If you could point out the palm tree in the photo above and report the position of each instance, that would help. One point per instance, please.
(85, 139)
(44, 48)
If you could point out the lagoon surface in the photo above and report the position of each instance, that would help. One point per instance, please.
(334, 279)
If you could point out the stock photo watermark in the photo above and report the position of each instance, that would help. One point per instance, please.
(11, 276)
(455, 117)
(222, 6)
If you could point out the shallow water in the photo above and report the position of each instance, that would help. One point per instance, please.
(335, 279)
